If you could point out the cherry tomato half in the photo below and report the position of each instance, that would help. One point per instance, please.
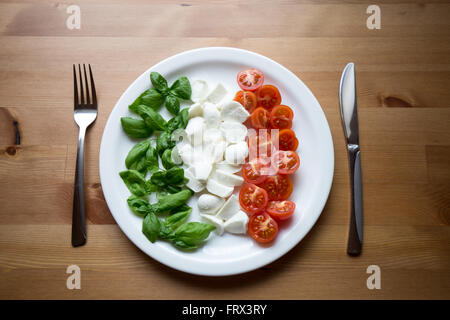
(252, 198)
(253, 171)
(281, 117)
(262, 227)
(247, 99)
(268, 96)
(285, 162)
(278, 187)
(250, 80)
(260, 118)
(280, 210)
(287, 140)
(260, 146)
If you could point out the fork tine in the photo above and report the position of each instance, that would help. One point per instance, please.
(75, 87)
(81, 85)
(94, 95)
(88, 99)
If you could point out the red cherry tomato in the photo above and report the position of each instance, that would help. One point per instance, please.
(253, 171)
(268, 96)
(280, 210)
(278, 187)
(250, 80)
(252, 198)
(260, 118)
(285, 162)
(287, 140)
(262, 227)
(247, 99)
(281, 117)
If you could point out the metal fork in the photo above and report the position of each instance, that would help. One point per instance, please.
(85, 113)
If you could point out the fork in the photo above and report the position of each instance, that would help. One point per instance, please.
(85, 113)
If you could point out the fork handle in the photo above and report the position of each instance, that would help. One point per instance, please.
(79, 215)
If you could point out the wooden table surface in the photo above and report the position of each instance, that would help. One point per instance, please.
(403, 80)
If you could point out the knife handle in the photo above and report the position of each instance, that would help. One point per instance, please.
(355, 235)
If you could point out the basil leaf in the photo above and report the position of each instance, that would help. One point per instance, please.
(137, 102)
(181, 88)
(191, 234)
(166, 159)
(151, 226)
(183, 207)
(173, 189)
(172, 104)
(172, 201)
(184, 114)
(159, 83)
(141, 167)
(150, 98)
(177, 219)
(134, 181)
(150, 186)
(135, 128)
(151, 159)
(152, 118)
(138, 205)
(137, 152)
(159, 178)
(174, 175)
(163, 142)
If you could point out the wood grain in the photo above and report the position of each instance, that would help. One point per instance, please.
(403, 76)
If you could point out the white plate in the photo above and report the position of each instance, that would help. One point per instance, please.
(229, 254)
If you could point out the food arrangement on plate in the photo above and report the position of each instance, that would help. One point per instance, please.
(212, 148)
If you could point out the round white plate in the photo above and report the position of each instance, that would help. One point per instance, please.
(228, 254)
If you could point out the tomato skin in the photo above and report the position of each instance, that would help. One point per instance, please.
(285, 162)
(281, 117)
(250, 79)
(287, 140)
(247, 99)
(252, 198)
(268, 96)
(278, 187)
(252, 171)
(260, 118)
(280, 210)
(262, 227)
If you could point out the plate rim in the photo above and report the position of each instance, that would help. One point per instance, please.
(243, 268)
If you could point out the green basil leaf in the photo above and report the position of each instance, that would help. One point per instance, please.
(134, 181)
(183, 207)
(172, 104)
(151, 159)
(141, 167)
(184, 114)
(177, 219)
(135, 128)
(174, 176)
(153, 99)
(151, 226)
(190, 235)
(159, 178)
(166, 159)
(138, 205)
(172, 201)
(136, 153)
(181, 88)
(163, 142)
(159, 83)
(137, 102)
(150, 186)
(152, 118)
(172, 189)
(161, 194)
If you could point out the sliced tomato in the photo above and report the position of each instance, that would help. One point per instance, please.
(281, 117)
(268, 96)
(278, 187)
(250, 80)
(252, 198)
(262, 227)
(287, 140)
(254, 171)
(285, 162)
(260, 145)
(247, 99)
(280, 210)
(260, 118)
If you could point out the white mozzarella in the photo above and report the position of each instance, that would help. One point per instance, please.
(236, 153)
(218, 188)
(195, 110)
(193, 183)
(218, 150)
(194, 130)
(227, 167)
(199, 90)
(209, 204)
(234, 111)
(202, 169)
(229, 209)
(237, 223)
(215, 222)
(186, 152)
(226, 178)
(211, 115)
(212, 136)
(175, 156)
(233, 131)
(217, 94)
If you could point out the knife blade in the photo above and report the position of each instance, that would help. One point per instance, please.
(349, 115)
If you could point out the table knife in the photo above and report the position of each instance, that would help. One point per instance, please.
(349, 115)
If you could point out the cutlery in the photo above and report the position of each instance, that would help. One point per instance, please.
(85, 113)
(349, 115)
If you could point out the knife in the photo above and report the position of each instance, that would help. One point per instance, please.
(349, 115)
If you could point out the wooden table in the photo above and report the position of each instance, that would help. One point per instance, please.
(403, 78)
